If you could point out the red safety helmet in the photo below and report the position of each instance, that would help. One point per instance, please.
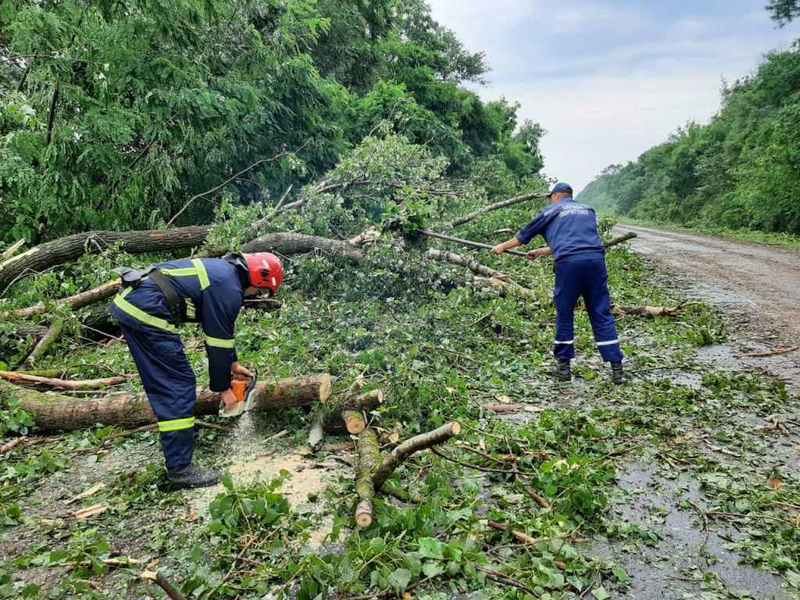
(266, 271)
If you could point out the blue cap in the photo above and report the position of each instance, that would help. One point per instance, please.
(561, 188)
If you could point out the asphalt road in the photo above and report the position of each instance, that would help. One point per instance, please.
(763, 281)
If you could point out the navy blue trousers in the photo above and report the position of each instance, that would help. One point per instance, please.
(169, 382)
(584, 276)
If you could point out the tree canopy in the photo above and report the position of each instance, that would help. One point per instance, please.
(742, 170)
(116, 113)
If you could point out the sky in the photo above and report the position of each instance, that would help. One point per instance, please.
(608, 79)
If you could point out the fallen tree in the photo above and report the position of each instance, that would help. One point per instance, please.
(72, 247)
(282, 243)
(62, 413)
(298, 243)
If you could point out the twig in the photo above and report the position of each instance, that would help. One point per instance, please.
(165, 585)
(9, 446)
(772, 353)
(506, 580)
(519, 535)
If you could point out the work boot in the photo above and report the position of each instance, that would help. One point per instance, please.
(563, 371)
(617, 374)
(191, 477)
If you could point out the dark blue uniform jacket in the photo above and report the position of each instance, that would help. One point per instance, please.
(213, 292)
(569, 228)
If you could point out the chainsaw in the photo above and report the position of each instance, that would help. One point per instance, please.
(244, 389)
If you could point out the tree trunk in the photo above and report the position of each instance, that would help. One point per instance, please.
(54, 412)
(412, 446)
(369, 457)
(298, 243)
(496, 206)
(72, 247)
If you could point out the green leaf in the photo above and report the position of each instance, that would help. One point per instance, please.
(600, 593)
(432, 569)
(621, 575)
(431, 548)
(399, 580)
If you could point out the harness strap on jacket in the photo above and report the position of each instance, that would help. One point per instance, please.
(175, 303)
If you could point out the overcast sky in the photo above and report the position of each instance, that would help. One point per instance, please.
(610, 78)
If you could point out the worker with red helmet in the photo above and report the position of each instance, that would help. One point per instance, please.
(150, 307)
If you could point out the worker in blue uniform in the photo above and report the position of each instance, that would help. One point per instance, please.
(149, 309)
(570, 230)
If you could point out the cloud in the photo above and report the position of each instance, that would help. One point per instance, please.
(609, 79)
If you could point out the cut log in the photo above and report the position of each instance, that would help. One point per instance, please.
(362, 403)
(496, 206)
(354, 421)
(44, 344)
(369, 456)
(56, 412)
(411, 446)
(356, 406)
(298, 243)
(22, 378)
(463, 261)
(69, 248)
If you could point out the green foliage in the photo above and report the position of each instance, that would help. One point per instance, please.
(114, 115)
(784, 11)
(12, 418)
(740, 171)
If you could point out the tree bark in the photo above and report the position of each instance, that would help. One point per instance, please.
(411, 446)
(508, 288)
(44, 344)
(21, 378)
(72, 247)
(496, 206)
(369, 456)
(462, 261)
(467, 243)
(55, 412)
(75, 302)
(298, 243)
